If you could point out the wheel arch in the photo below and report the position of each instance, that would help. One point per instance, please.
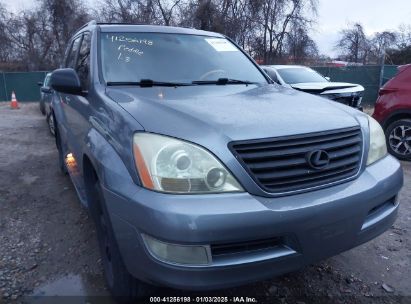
(397, 115)
(101, 161)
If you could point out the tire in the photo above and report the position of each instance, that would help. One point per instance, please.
(398, 135)
(123, 286)
(61, 162)
(51, 124)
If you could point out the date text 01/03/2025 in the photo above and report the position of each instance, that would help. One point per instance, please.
(203, 299)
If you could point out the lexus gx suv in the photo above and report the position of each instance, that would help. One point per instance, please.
(200, 172)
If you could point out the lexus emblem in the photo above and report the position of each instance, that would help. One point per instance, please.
(318, 159)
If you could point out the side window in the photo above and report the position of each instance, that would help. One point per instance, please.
(83, 62)
(46, 83)
(72, 54)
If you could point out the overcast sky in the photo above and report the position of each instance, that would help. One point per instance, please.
(375, 16)
(333, 15)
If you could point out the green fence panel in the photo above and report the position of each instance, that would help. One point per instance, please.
(367, 76)
(389, 72)
(3, 91)
(24, 85)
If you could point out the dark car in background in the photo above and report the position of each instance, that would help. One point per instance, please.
(310, 81)
(199, 172)
(46, 96)
(393, 112)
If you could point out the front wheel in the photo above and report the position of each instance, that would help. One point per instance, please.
(51, 124)
(398, 136)
(122, 285)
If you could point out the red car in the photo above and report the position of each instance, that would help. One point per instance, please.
(393, 112)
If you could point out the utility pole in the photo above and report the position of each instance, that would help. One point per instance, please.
(382, 67)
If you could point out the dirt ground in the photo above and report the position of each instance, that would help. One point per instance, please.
(48, 245)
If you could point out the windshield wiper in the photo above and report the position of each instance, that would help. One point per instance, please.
(147, 83)
(223, 81)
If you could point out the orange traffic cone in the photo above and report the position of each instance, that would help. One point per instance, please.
(14, 104)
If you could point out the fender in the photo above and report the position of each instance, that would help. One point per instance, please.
(109, 167)
(398, 112)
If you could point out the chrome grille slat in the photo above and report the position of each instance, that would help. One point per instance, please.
(313, 177)
(307, 172)
(292, 151)
(280, 164)
(297, 142)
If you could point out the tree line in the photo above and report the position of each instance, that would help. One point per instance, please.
(271, 31)
(392, 47)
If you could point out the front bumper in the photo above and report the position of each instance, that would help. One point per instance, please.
(349, 99)
(310, 226)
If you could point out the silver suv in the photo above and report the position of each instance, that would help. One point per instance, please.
(200, 172)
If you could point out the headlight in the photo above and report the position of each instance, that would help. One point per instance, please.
(170, 165)
(378, 146)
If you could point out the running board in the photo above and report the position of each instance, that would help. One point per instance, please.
(76, 178)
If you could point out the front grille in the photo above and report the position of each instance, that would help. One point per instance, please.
(281, 164)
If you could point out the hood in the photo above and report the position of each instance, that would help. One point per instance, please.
(233, 112)
(328, 87)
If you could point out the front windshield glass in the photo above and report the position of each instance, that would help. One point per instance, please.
(131, 57)
(300, 75)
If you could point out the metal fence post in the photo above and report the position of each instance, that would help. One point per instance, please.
(5, 86)
(382, 69)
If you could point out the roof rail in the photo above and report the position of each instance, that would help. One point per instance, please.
(120, 23)
(92, 22)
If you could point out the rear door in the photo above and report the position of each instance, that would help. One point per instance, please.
(63, 122)
(78, 107)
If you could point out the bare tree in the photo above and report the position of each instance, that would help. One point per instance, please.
(166, 9)
(403, 36)
(383, 40)
(265, 28)
(31, 40)
(300, 47)
(39, 36)
(127, 11)
(63, 18)
(379, 44)
(5, 42)
(354, 45)
(276, 19)
(401, 53)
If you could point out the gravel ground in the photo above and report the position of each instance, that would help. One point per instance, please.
(48, 245)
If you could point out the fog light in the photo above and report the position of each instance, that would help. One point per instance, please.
(70, 161)
(177, 254)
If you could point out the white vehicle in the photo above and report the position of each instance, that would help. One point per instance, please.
(307, 80)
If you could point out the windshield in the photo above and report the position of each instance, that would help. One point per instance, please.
(160, 57)
(300, 75)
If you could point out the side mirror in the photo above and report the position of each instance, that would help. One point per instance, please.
(66, 81)
(328, 78)
(40, 84)
(45, 90)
